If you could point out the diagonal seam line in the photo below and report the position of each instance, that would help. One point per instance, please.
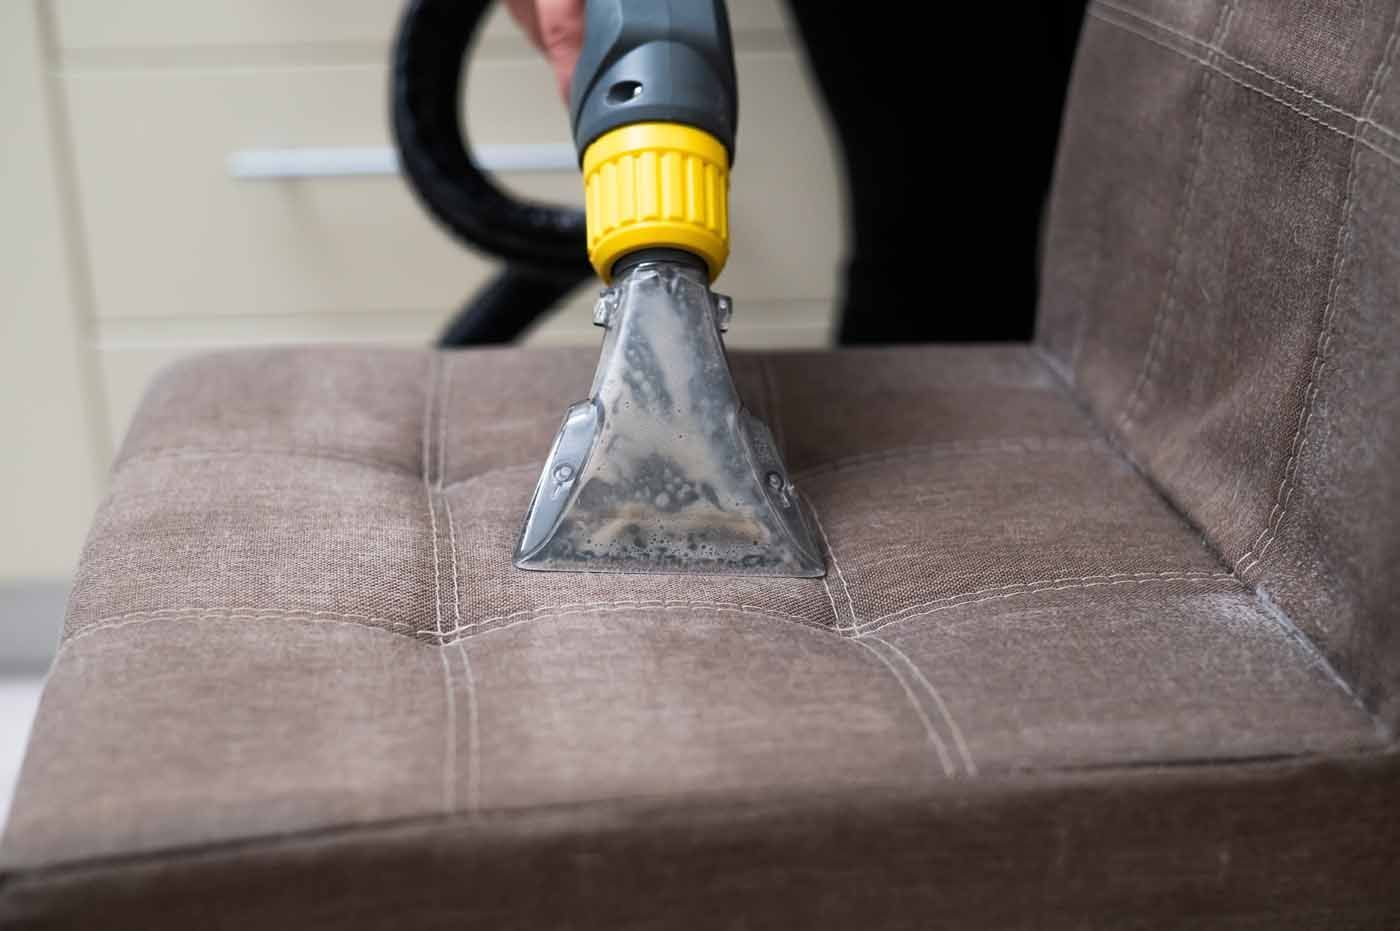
(633, 603)
(874, 626)
(941, 748)
(1026, 445)
(1216, 49)
(370, 620)
(137, 619)
(826, 583)
(428, 393)
(1146, 37)
(804, 623)
(449, 637)
(1315, 657)
(301, 452)
(1067, 391)
(1038, 584)
(958, 741)
(1110, 18)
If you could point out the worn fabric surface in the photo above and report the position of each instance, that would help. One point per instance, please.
(1191, 849)
(1108, 637)
(1222, 286)
(296, 618)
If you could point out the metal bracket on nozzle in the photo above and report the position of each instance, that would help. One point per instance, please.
(662, 469)
(609, 298)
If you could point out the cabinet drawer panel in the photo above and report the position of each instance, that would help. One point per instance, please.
(185, 24)
(170, 233)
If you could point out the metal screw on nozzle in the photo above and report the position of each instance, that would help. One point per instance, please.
(779, 486)
(724, 311)
(603, 310)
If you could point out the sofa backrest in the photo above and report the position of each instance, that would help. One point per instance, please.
(1221, 287)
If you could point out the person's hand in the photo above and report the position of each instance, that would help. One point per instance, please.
(556, 28)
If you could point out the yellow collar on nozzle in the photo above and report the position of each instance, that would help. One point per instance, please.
(656, 185)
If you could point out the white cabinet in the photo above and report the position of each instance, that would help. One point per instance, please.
(166, 251)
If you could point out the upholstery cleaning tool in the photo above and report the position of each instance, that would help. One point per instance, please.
(661, 469)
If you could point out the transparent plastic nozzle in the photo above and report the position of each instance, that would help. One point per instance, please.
(662, 469)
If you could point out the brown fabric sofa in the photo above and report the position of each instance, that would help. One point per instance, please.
(1109, 637)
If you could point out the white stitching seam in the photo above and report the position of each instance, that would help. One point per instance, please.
(304, 452)
(197, 615)
(1186, 574)
(435, 405)
(941, 748)
(1345, 134)
(1167, 302)
(134, 619)
(114, 621)
(1020, 445)
(1216, 49)
(876, 625)
(958, 741)
(826, 582)
(585, 606)
(1324, 337)
(473, 729)
(368, 619)
(804, 623)
(449, 752)
(447, 506)
(775, 415)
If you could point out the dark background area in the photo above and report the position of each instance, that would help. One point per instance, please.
(948, 117)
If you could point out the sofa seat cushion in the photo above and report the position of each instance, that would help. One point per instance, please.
(296, 646)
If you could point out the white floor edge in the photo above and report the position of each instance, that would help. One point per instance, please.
(19, 697)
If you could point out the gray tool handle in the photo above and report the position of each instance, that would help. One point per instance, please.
(664, 61)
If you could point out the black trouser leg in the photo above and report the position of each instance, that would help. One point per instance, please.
(948, 123)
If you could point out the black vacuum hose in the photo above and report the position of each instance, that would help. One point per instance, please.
(506, 306)
(544, 246)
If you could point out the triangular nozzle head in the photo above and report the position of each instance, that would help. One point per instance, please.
(662, 469)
